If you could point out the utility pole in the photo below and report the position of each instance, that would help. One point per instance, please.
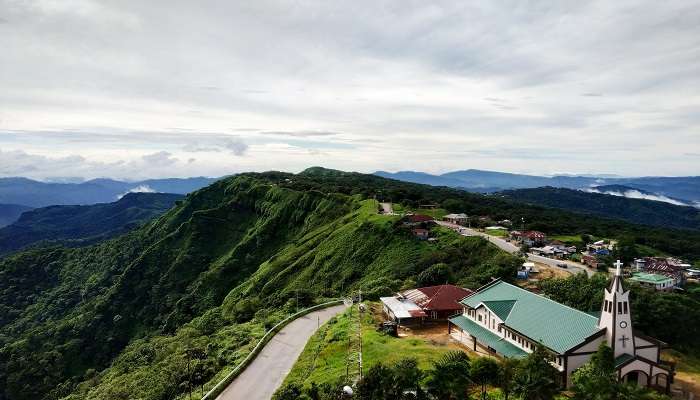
(189, 374)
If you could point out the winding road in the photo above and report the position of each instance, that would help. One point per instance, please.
(267, 372)
(511, 248)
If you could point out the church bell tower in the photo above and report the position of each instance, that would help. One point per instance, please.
(616, 316)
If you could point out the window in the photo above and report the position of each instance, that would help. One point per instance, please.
(619, 307)
(479, 317)
(625, 307)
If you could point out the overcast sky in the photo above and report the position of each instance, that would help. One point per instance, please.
(136, 89)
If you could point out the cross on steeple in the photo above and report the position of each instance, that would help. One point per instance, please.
(618, 268)
(624, 340)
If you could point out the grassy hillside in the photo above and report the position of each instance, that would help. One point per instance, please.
(678, 242)
(325, 357)
(115, 320)
(637, 211)
(81, 225)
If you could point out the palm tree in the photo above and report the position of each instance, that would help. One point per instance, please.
(449, 378)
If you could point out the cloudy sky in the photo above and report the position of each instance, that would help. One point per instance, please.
(136, 89)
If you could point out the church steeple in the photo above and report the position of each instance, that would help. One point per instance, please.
(616, 316)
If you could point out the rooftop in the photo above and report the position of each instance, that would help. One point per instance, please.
(437, 298)
(555, 325)
(488, 338)
(650, 278)
(403, 308)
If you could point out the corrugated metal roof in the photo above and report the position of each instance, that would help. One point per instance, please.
(437, 298)
(403, 308)
(650, 278)
(555, 325)
(488, 338)
(501, 308)
(622, 359)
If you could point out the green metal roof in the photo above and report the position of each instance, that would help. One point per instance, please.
(488, 338)
(650, 278)
(555, 325)
(501, 308)
(623, 358)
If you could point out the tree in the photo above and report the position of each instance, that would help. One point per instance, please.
(626, 249)
(449, 378)
(596, 379)
(506, 376)
(484, 371)
(376, 384)
(290, 391)
(407, 377)
(536, 378)
(436, 274)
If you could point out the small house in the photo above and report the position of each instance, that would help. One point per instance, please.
(458, 219)
(432, 303)
(420, 233)
(417, 219)
(654, 281)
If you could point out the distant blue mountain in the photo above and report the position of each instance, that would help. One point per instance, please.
(686, 189)
(30, 193)
(78, 225)
(9, 213)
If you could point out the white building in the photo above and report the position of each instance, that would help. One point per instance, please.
(509, 321)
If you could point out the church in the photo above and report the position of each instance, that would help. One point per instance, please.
(508, 321)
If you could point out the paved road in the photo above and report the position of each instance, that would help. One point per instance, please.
(511, 248)
(266, 373)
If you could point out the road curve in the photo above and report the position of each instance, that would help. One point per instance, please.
(265, 374)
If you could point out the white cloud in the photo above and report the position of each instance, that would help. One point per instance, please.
(138, 189)
(370, 85)
(636, 194)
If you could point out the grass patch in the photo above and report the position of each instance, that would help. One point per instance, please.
(324, 359)
(497, 232)
(436, 213)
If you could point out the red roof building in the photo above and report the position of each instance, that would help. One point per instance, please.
(438, 302)
(417, 219)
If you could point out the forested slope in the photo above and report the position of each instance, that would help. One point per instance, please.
(115, 320)
(638, 211)
(82, 225)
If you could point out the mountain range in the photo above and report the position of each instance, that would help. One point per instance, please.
(85, 224)
(31, 193)
(685, 190)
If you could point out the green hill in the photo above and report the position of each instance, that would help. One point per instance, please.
(636, 211)
(114, 319)
(81, 225)
(118, 319)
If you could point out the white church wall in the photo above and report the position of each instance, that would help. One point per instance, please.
(591, 346)
(650, 353)
(642, 342)
(636, 365)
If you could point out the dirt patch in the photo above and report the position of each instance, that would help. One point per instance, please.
(687, 372)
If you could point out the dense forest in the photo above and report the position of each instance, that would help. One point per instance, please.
(637, 211)
(174, 303)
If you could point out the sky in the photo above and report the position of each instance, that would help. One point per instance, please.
(142, 89)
